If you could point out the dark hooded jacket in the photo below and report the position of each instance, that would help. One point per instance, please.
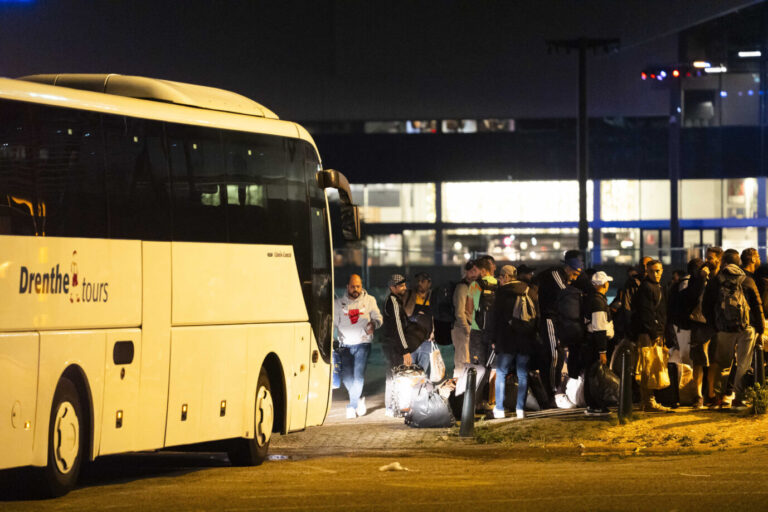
(510, 335)
(649, 309)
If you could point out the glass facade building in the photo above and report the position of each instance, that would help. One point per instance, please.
(457, 190)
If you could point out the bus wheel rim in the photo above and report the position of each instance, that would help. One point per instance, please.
(66, 437)
(265, 416)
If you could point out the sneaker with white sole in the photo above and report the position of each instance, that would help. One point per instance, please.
(499, 414)
(351, 413)
(361, 408)
(520, 414)
(389, 413)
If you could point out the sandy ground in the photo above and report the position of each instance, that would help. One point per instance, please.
(685, 431)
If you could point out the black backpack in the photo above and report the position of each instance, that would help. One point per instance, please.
(445, 313)
(731, 309)
(569, 325)
(485, 304)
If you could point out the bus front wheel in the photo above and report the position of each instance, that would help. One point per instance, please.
(65, 441)
(252, 452)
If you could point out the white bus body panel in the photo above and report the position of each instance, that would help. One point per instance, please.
(235, 284)
(319, 393)
(105, 294)
(121, 393)
(156, 344)
(19, 354)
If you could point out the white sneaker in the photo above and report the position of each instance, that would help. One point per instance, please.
(351, 413)
(361, 408)
(389, 413)
(520, 414)
(499, 414)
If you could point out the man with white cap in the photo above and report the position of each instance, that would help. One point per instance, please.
(600, 330)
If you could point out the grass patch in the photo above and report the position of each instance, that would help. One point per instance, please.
(757, 396)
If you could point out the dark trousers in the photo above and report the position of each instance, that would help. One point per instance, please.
(550, 356)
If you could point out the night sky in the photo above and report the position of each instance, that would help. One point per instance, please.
(336, 60)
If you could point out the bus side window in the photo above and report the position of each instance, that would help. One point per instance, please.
(18, 195)
(198, 183)
(138, 182)
(67, 155)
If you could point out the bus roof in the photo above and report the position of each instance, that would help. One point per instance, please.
(159, 90)
(149, 98)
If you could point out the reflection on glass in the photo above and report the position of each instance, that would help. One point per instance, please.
(385, 250)
(419, 247)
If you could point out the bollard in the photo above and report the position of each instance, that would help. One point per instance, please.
(468, 408)
(625, 389)
(759, 366)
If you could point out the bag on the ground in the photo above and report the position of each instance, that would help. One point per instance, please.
(531, 404)
(404, 380)
(652, 365)
(479, 349)
(428, 409)
(574, 390)
(436, 364)
(603, 385)
(670, 395)
(537, 389)
(569, 325)
(731, 308)
(483, 312)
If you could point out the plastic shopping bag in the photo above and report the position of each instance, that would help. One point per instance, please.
(436, 364)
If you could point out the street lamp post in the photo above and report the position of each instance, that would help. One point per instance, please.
(582, 127)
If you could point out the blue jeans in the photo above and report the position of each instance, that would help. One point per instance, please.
(336, 360)
(420, 356)
(503, 367)
(354, 360)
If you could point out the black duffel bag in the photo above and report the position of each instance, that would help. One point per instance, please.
(603, 385)
(429, 409)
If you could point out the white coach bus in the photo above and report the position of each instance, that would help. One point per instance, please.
(165, 272)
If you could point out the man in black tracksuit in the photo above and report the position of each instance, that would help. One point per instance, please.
(394, 343)
(649, 321)
(550, 355)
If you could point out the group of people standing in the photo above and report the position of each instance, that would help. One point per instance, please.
(536, 325)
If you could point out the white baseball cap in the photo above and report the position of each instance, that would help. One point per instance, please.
(600, 278)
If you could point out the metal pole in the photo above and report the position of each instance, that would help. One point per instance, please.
(675, 120)
(625, 389)
(467, 428)
(582, 138)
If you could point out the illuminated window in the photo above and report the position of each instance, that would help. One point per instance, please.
(701, 199)
(516, 245)
(740, 198)
(396, 202)
(634, 200)
(513, 201)
(739, 238)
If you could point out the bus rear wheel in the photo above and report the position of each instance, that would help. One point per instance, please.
(65, 441)
(252, 452)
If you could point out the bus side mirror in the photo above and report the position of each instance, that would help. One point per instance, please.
(350, 213)
(350, 222)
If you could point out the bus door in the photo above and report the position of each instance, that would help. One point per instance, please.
(320, 315)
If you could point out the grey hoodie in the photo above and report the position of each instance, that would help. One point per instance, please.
(351, 316)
